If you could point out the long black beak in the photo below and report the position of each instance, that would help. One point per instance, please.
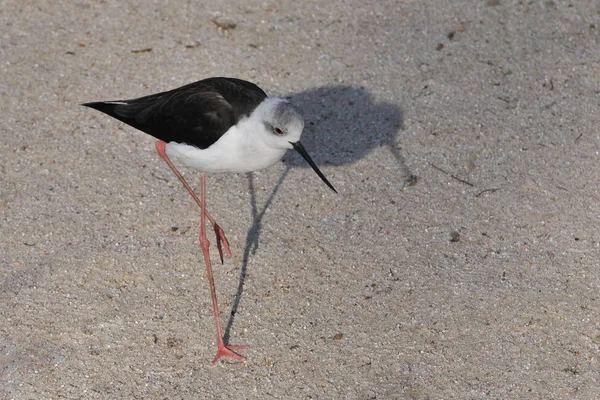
(300, 149)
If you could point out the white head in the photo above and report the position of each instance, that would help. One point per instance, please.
(283, 127)
(283, 123)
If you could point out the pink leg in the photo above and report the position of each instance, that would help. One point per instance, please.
(221, 239)
(222, 349)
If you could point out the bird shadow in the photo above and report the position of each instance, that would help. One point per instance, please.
(342, 125)
(251, 246)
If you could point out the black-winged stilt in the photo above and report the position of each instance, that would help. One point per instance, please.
(215, 125)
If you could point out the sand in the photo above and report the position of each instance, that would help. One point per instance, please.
(460, 259)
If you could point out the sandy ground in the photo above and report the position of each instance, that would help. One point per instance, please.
(460, 259)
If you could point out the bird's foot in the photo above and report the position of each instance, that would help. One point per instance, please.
(228, 351)
(222, 242)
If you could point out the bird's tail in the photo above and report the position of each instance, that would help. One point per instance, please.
(107, 107)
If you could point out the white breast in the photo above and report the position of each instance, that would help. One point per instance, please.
(240, 149)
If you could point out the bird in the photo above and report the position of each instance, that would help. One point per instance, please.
(215, 125)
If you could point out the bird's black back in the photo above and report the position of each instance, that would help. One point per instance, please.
(197, 114)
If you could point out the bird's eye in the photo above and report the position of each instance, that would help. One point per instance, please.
(278, 131)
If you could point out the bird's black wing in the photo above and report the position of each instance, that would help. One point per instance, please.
(197, 114)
